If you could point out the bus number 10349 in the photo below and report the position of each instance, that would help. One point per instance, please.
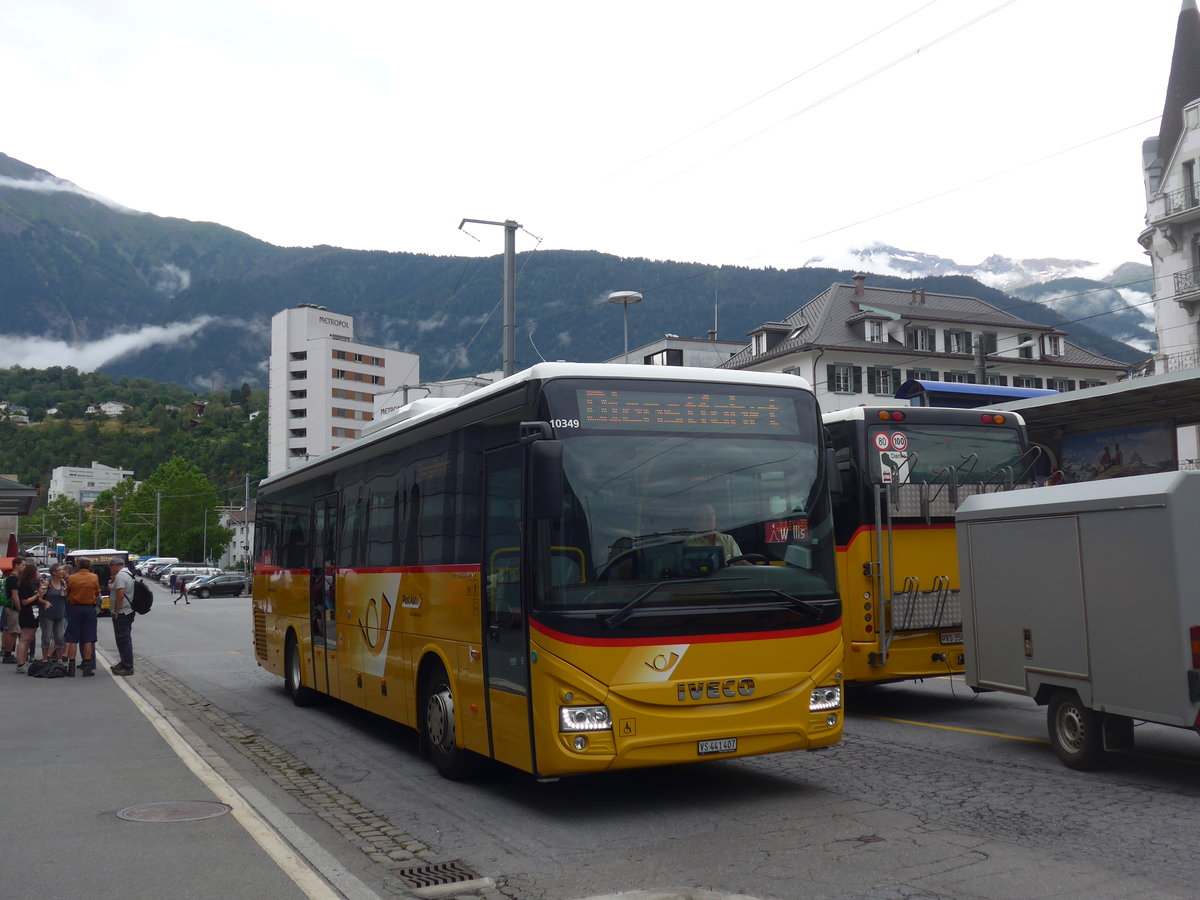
(564, 423)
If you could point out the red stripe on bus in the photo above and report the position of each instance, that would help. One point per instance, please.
(870, 529)
(683, 638)
(262, 569)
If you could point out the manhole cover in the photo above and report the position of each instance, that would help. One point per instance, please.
(437, 873)
(174, 811)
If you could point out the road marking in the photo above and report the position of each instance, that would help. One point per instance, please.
(995, 734)
(296, 866)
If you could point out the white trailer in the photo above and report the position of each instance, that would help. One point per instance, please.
(1086, 597)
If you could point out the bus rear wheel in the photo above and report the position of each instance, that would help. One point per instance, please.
(450, 760)
(292, 679)
(1076, 732)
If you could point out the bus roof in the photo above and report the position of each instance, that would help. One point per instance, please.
(409, 416)
(957, 392)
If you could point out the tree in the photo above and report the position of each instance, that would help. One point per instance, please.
(189, 523)
(60, 517)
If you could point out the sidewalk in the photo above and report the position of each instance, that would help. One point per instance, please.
(80, 751)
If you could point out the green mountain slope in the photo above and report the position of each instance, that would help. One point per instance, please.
(72, 264)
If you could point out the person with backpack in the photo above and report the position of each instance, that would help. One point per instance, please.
(9, 624)
(120, 591)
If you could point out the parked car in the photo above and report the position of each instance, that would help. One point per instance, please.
(226, 585)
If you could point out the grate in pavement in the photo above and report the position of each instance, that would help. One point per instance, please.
(435, 874)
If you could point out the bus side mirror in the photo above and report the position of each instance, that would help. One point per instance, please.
(833, 474)
(545, 479)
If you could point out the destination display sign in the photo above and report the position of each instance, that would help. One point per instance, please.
(667, 410)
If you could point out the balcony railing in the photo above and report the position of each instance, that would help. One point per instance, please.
(1187, 282)
(1183, 361)
(1178, 201)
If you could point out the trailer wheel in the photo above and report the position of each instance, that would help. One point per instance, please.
(1076, 732)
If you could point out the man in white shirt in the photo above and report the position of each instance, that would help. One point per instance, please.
(706, 525)
(120, 592)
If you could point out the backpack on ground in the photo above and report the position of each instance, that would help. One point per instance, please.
(143, 597)
(53, 668)
(36, 667)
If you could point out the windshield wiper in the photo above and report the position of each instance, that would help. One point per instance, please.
(627, 610)
(795, 603)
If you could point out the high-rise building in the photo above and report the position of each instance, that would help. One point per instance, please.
(323, 383)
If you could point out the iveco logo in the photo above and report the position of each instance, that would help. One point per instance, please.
(714, 690)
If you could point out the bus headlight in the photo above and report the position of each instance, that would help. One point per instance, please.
(824, 698)
(584, 718)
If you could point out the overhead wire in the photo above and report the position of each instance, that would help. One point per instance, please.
(767, 93)
(844, 88)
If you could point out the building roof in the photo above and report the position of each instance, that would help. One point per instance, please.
(828, 321)
(1183, 85)
(16, 499)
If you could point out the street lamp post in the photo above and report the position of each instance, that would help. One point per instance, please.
(625, 298)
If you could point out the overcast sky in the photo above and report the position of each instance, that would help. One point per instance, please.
(756, 134)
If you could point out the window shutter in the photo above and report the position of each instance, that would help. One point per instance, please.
(857, 381)
(946, 341)
(989, 341)
(830, 378)
(1070, 385)
(910, 375)
(895, 380)
(968, 347)
(1037, 382)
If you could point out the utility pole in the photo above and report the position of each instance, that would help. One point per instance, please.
(246, 527)
(114, 522)
(510, 289)
(158, 523)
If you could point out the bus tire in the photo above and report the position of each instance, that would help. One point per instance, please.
(1076, 732)
(292, 679)
(451, 760)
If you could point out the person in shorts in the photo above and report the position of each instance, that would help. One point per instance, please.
(9, 624)
(53, 620)
(83, 594)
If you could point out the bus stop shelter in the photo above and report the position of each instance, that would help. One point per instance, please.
(1152, 420)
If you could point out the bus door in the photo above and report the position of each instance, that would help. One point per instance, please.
(322, 594)
(506, 630)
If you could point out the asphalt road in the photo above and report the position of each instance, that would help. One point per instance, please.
(934, 793)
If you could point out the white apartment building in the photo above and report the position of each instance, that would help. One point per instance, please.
(856, 344)
(672, 350)
(322, 383)
(85, 485)
(1171, 237)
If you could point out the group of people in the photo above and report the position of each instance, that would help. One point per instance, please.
(63, 605)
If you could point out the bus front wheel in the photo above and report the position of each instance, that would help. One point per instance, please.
(292, 679)
(451, 760)
(1075, 731)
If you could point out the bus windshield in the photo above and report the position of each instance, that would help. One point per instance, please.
(916, 452)
(683, 518)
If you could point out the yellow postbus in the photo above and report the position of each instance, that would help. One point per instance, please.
(519, 574)
(101, 561)
(903, 472)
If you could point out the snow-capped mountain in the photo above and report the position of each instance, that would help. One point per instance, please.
(996, 271)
